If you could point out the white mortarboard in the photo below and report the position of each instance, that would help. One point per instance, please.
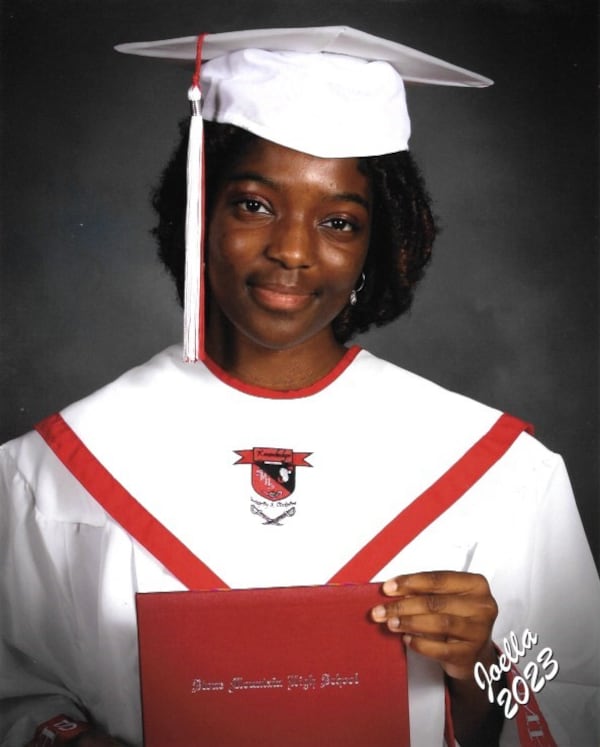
(331, 92)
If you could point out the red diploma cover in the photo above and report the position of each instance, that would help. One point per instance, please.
(285, 667)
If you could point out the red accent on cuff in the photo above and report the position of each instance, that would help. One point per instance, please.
(59, 730)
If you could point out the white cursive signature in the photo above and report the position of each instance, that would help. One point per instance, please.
(535, 674)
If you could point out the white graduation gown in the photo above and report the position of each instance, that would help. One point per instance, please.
(376, 436)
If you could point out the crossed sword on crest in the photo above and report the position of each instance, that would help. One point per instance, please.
(277, 519)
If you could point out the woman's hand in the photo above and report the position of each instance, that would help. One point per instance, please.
(448, 616)
(444, 615)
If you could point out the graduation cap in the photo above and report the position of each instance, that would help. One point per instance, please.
(331, 92)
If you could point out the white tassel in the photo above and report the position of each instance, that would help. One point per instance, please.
(193, 311)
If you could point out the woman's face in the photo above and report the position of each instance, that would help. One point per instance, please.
(288, 238)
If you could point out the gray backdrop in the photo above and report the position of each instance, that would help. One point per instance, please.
(509, 311)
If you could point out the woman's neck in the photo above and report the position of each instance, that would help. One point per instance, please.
(279, 369)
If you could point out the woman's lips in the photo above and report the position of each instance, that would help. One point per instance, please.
(281, 297)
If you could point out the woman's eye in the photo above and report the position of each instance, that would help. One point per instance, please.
(340, 224)
(252, 206)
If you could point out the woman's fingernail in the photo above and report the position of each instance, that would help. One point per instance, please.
(390, 587)
(378, 612)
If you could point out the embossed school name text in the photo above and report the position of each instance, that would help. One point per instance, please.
(535, 673)
(298, 682)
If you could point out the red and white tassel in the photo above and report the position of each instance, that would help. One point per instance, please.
(193, 309)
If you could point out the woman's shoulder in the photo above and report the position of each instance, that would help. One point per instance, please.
(29, 468)
(419, 395)
(433, 413)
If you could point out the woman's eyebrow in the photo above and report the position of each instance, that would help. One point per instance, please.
(352, 197)
(254, 176)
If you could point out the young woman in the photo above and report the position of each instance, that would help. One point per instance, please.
(284, 453)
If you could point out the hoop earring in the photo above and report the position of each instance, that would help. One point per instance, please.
(355, 291)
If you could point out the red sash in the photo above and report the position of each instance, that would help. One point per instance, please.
(374, 556)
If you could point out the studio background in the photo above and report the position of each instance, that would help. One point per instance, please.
(508, 313)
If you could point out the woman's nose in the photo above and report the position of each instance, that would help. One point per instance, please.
(291, 243)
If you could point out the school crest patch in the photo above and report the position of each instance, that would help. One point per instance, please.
(273, 478)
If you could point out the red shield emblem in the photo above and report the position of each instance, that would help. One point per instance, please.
(273, 470)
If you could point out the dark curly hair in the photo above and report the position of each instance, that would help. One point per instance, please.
(402, 232)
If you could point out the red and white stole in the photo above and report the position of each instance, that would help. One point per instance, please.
(366, 563)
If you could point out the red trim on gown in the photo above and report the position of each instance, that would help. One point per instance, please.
(376, 554)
